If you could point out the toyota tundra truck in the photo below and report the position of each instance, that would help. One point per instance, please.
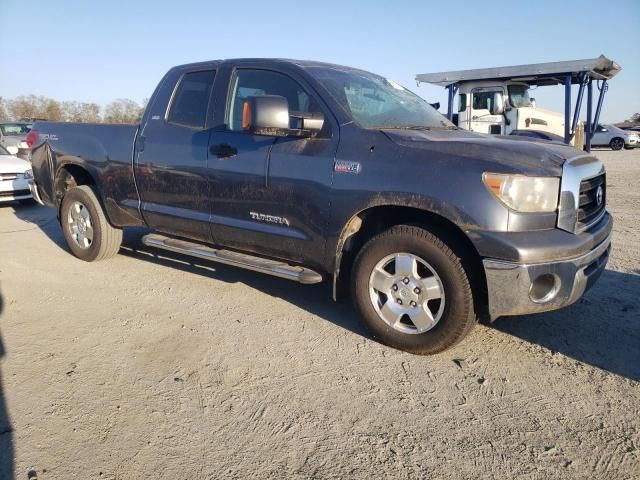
(317, 172)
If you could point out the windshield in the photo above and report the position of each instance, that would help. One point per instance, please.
(375, 102)
(519, 96)
(15, 129)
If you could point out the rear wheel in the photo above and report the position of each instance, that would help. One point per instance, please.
(412, 291)
(617, 143)
(85, 227)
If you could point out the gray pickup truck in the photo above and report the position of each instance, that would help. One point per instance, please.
(313, 172)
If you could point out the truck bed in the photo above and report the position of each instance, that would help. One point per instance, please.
(104, 150)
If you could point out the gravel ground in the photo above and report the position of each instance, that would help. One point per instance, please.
(151, 365)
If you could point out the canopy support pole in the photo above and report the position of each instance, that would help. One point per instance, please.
(603, 90)
(576, 113)
(567, 108)
(452, 89)
(588, 126)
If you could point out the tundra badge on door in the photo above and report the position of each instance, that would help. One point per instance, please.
(263, 217)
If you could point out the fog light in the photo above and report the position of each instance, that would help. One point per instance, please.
(544, 288)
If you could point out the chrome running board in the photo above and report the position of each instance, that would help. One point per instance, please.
(249, 262)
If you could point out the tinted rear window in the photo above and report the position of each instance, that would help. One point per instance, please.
(191, 99)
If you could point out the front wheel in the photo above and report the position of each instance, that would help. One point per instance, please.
(86, 229)
(412, 291)
(617, 143)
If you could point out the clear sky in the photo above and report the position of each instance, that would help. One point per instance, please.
(98, 51)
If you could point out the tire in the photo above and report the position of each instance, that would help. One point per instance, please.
(439, 271)
(92, 238)
(616, 143)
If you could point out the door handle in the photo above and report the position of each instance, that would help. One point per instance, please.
(223, 150)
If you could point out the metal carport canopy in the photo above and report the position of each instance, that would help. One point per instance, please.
(600, 68)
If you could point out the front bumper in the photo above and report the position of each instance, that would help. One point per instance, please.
(517, 289)
(16, 189)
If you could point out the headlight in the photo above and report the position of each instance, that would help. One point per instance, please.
(28, 175)
(524, 194)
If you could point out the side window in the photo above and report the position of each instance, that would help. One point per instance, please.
(482, 100)
(462, 102)
(191, 99)
(246, 83)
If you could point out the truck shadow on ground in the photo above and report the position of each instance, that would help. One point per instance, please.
(602, 329)
(315, 299)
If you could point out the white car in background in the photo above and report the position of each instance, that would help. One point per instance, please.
(614, 137)
(14, 176)
(13, 137)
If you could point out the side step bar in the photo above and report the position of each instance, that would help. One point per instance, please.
(249, 262)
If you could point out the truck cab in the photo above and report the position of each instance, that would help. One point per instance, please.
(500, 108)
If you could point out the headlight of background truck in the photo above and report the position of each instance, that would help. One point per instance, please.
(524, 194)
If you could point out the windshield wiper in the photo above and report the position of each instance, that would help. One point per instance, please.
(418, 127)
(405, 127)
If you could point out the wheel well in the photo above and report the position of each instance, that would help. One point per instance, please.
(68, 177)
(378, 219)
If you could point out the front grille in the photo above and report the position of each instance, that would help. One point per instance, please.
(590, 206)
(15, 193)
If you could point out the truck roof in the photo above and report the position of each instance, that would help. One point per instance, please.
(300, 63)
(552, 73)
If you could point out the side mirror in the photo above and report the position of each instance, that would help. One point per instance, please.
(436, 105)
(266, 115)
(13, 150)
(533, 102)
(269, 115)
(497, 104)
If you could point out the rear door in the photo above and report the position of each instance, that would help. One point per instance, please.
(171, 162)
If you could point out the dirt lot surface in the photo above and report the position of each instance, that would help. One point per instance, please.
(151, 365)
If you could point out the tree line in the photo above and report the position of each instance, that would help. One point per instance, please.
(122, 110)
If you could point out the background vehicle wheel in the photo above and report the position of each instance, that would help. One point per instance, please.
(86, 229)
(412, 291)
(616, 143)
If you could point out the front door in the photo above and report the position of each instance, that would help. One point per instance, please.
(269, 194)
(171, 162)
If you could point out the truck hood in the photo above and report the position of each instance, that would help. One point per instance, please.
(530, 118)
(504, 154)
(11, 164)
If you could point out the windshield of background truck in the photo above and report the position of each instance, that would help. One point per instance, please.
(15, 129)
(519, 96)
(375, 102)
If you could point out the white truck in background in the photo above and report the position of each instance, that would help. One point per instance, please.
(502, 108)
(498, 101)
